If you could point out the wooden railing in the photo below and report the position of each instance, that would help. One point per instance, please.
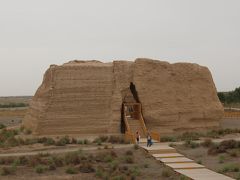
(232, 114)
(129, 137)
(126, 122)
(155, 135)
(142, 122)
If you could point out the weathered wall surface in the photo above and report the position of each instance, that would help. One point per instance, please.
(85, 97)
(176, 97)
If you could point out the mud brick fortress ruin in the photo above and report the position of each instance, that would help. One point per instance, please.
(91, 97)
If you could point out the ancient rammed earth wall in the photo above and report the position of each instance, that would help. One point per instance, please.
(85, 97)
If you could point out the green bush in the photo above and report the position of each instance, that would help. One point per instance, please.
(108, 158)
(223, 147)
(116, 140)
(86, 168)
(136, 146)
(129, 160)
(99, 173)
(85, 141)
(74, 141)
(207, 143)
(80, 142)
(103, 138)
(13, 105)
(191, 144)
(61, 142)
(190, 136)
(49, 141)
(168, 139)
(2, 126)
(4, 171)
(72, 158)
(146, 165)
(40, 169)
(58, 161)
(27, 131)
(221, 159)
(71, 170)
(129, 153)
(166, 173)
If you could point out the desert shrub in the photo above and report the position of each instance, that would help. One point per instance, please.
(229, 144)
(58, 161)
(199, 161)
(233, 153)
(11, 142)
(230, 168)
(49, 141)
(71, 170)
(51, 165)
(42, 154)
(116, 140)
(168, 139)
(4, 171)
(34, 161)
(146, 165)
(30, 141)
(98, 142)
(85, 141)
(7, 134)
(27, 131)
(86, 168)
(40, 169)
(166, 173)
(7, 160)
(182, 177)
(42, 140)
(113, 154)
(61, 142)
(135, 171)
(103, 138)
(221, 159)
(2, 126)
(80, 142)
(72, 158)
(191, 144)
(108, 158)
(106, 146)
(22, 129)
(23, 160)
(212, 134)
(119, 177)
(207, 143)
(190, 136)
(129, 153)
(73, 141)
(136, 146)
(114, 165)
(129, 160)
(223, 147)
(99, 173)
(13, 105)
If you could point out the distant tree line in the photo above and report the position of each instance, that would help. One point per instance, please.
(230, 97)
(13, 105)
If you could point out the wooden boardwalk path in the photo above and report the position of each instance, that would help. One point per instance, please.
(180, 164)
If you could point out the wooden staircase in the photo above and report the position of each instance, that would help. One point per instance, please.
(134, 122)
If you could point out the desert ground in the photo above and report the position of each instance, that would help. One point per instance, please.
(23, 156)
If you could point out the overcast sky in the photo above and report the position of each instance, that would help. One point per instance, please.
(35, 34)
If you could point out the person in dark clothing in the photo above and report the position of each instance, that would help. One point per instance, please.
(137, 137)
(149, 140)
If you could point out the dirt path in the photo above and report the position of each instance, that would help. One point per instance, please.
(63, 150)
